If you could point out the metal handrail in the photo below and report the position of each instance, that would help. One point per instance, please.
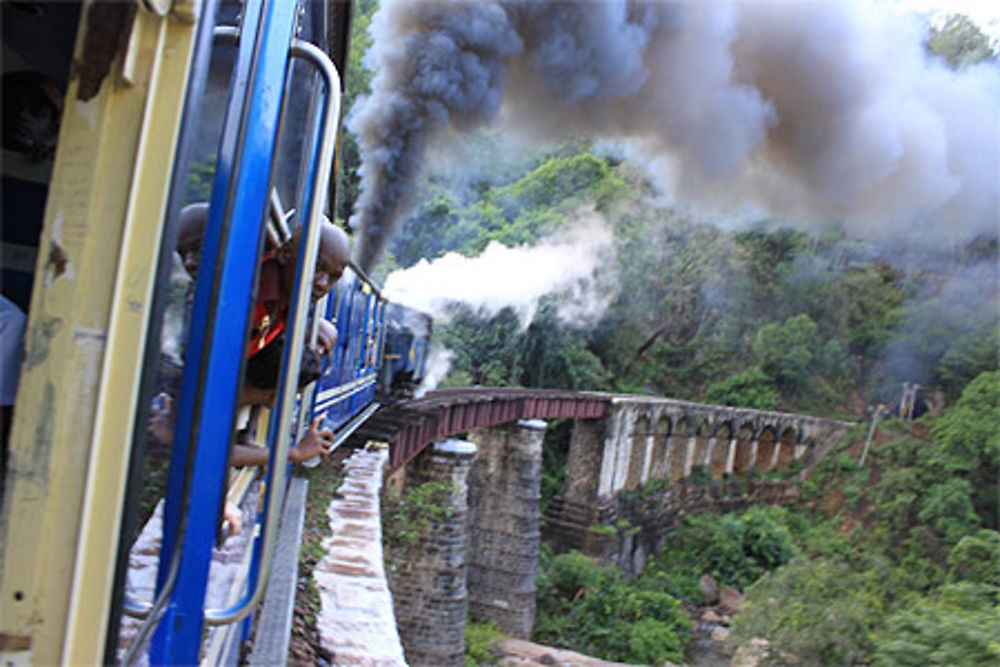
(276, 473)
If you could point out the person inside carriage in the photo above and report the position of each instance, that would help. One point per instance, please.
(277, 276)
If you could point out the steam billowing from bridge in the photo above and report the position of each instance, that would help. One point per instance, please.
(826, 112)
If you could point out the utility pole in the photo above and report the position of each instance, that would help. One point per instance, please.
(877, 413)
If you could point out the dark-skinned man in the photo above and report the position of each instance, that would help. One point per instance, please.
(277, 277)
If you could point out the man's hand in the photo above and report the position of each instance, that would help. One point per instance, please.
(314, 443)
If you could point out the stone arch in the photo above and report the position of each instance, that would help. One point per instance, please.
(661, 443)
(724, 433)
(743, 460)
(637, 453)
(677, 456)
(765, 447)
(788, 440)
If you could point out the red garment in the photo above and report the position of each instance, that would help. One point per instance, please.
(269, 315)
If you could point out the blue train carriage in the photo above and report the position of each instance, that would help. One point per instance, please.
(248, 93)
(408, 334)
(345, 393)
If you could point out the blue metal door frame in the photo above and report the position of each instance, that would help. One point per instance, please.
(220, 320)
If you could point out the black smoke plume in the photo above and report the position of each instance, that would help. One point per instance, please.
(826, 112)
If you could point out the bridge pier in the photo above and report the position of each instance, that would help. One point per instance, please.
(504, 537)
(773, 463)
(429, 588)
(731, 455)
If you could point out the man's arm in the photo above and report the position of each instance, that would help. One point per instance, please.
(314, 443)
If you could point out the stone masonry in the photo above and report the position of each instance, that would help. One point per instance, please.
(356, 623)
(429, 587)
(647, 443)
(504, 537)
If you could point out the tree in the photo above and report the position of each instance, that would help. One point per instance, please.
(590, 608)
(968, 442)
(555, 356)
(487, 348)
(960, 42)
(976, 558)
(752, 389)
(786, 352)
(815, 612)
(959, 626)
(358, 80)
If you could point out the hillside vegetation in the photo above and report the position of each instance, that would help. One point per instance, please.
(895, 563)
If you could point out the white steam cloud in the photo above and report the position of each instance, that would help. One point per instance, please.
(438, 364)
(821, 111)
(577, 267)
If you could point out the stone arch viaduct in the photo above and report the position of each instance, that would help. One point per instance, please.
(635, 466)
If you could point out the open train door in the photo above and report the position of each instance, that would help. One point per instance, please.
(99, 286)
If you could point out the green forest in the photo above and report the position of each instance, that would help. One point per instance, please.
(894, 563)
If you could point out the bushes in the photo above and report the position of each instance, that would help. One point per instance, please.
(817, 612)
(959, 626)
(480, 638)
(752, 389)
(735, 549)
(590, 608)
(976, 558)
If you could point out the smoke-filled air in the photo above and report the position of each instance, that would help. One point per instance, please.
(825, 112)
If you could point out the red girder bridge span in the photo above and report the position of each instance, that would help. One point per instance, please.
(412, 425)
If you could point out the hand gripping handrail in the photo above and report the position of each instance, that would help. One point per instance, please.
(277, 477)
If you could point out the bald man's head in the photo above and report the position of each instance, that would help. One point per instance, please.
(191, 235)
(331, 260)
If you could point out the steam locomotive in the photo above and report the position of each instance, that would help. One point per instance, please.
(404, 363)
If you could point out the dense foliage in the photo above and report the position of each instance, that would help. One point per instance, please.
(911, 574)
(590, 608)
(735, 549)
